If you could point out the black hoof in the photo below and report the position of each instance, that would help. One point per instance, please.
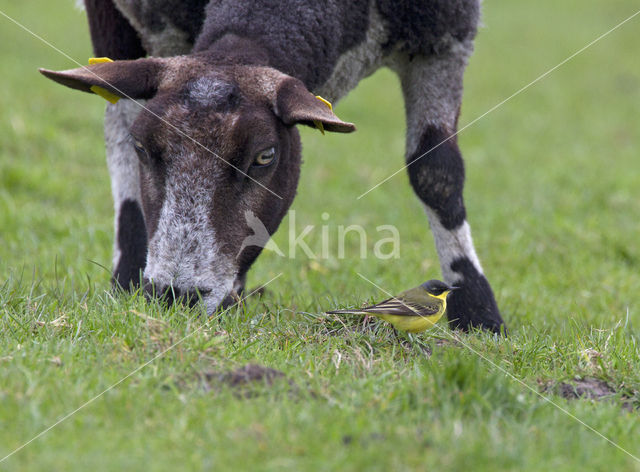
(473, 304)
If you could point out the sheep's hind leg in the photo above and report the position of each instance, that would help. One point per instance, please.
(432, 88)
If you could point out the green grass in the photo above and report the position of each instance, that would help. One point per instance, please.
(553, 199)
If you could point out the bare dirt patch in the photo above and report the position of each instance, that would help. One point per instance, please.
(586, 387)
(245, 375)
(248, 380)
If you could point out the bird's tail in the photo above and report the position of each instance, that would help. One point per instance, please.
(344, 312)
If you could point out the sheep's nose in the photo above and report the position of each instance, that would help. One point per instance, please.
(166, 293)
(170, 294)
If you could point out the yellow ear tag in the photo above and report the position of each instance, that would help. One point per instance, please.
(98, 60)
(104, 93)
(326, 102)
(318, 123)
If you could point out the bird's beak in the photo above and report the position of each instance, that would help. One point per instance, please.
(453, 288)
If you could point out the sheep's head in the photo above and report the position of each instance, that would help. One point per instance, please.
(215, 144)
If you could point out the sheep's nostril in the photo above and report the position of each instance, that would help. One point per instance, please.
(170, 294)
(149, 289)
(229, 301)
(192, 297)
(201, 292)
(166, 293)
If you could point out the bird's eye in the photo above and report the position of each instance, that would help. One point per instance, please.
(266, 157)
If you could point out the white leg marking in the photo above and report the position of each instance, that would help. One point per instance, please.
(452, 245)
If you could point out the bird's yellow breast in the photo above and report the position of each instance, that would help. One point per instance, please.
(412, 324)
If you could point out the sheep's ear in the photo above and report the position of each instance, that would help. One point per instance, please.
(296, 105)
(120, 79)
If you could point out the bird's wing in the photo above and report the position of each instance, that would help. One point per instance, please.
(400, 307)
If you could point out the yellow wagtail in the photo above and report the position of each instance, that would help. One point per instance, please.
(414, 310)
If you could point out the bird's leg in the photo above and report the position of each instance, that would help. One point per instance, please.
(402, 340)
(424, 348)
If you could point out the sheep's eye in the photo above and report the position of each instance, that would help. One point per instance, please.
(266, 157)
(142, 152)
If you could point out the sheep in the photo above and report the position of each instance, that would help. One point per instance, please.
(203, 129)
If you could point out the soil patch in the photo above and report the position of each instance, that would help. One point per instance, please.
(248, 380)
(587, 387)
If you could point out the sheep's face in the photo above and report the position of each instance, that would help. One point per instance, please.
(212, 156)
(219, 161)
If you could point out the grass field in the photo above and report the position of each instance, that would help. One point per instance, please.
(554, 202)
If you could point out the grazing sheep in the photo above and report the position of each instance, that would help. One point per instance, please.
(223, 86)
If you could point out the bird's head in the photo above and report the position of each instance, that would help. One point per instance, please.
(437, 288)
